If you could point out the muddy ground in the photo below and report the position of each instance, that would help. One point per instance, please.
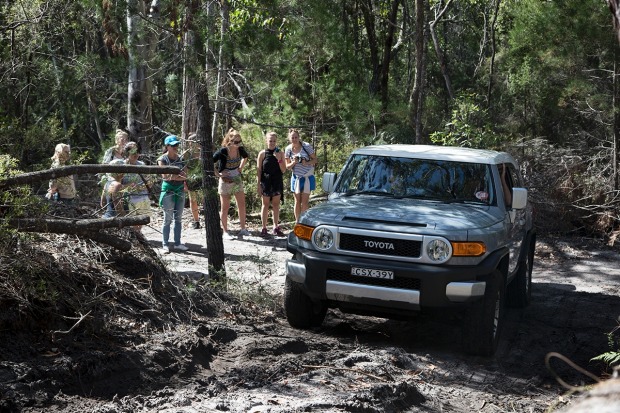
(141, 339)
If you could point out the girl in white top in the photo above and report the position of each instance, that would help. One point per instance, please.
(301, 159)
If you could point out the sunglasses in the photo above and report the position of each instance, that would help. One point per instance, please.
(237, 142)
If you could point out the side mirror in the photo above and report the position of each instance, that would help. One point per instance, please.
(519, 198)
(329, 179)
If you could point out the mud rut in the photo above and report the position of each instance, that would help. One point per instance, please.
(360, 364)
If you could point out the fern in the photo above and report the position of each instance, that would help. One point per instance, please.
(611, 358)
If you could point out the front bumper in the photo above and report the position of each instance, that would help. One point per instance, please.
(326, 277)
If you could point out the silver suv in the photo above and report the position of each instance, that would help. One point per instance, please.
(414, 227)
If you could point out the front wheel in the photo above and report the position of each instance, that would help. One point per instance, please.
(485, 319)
(520, 289)
(300, 310)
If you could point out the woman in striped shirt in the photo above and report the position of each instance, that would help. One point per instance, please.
(301, 159)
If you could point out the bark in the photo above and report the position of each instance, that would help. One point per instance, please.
(211, 207)
(54, 173)
(440, 56)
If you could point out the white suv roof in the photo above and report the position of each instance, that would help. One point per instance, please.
(446, 153)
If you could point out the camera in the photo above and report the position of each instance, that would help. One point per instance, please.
(298, 158)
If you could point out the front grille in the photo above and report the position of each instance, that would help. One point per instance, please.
(378, 245)
(397, 282)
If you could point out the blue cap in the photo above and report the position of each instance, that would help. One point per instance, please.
(171, 140)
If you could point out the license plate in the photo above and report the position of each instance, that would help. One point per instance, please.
(373, 273)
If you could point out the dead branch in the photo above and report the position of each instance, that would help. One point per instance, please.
(82, 317)
(88, 228)
(54, 173)
(76, 226)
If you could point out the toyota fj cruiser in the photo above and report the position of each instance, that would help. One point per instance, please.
(414, 227)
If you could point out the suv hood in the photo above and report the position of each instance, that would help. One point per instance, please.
(386, 213)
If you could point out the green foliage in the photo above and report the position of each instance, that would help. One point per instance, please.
(16, 201)
(612, 357)
(468, 126)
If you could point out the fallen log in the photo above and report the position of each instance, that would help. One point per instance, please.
(59, 172)
(76, 226)
(88, 228)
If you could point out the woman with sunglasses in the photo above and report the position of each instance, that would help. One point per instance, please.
(229, 160)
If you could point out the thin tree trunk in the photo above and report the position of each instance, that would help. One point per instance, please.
(387, 54)
(416, 98)
(369, 24)
(215, 244)
(440, 57)
(492, 63)
(616, 127)
(190, 111)
(220, 90)
(142, 40)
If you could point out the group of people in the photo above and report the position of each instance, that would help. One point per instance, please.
(129, 192)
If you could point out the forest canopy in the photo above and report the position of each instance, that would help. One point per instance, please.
(538, 78)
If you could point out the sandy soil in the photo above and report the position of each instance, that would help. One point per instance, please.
(230, 356)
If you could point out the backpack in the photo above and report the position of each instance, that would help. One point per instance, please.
(270, 163)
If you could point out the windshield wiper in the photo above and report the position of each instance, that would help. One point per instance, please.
(464, 201)
(368, 192)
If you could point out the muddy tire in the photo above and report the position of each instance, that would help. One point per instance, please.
(485, 319)
(300, 310)
(519, 292)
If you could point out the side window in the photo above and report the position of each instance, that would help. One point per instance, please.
(510, 178)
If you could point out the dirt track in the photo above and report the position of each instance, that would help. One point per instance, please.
(236, 363)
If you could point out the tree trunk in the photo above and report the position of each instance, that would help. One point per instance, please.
(387, 54)
(492, 63)
(141, 41)
(222, 73)
(373, 48)
(416, 98)
(211, 207)
(440, 57)
(191, 66)
(616, 126)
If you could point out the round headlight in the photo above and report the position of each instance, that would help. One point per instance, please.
(323, 238)
(438, 250)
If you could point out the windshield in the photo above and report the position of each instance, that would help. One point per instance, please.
(417, 178)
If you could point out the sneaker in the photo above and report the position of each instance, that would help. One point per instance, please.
(244, 232)
(196, 225)
(277, 231)
(181, 247)
(228, 235)
(264, 232)
(165, 249)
